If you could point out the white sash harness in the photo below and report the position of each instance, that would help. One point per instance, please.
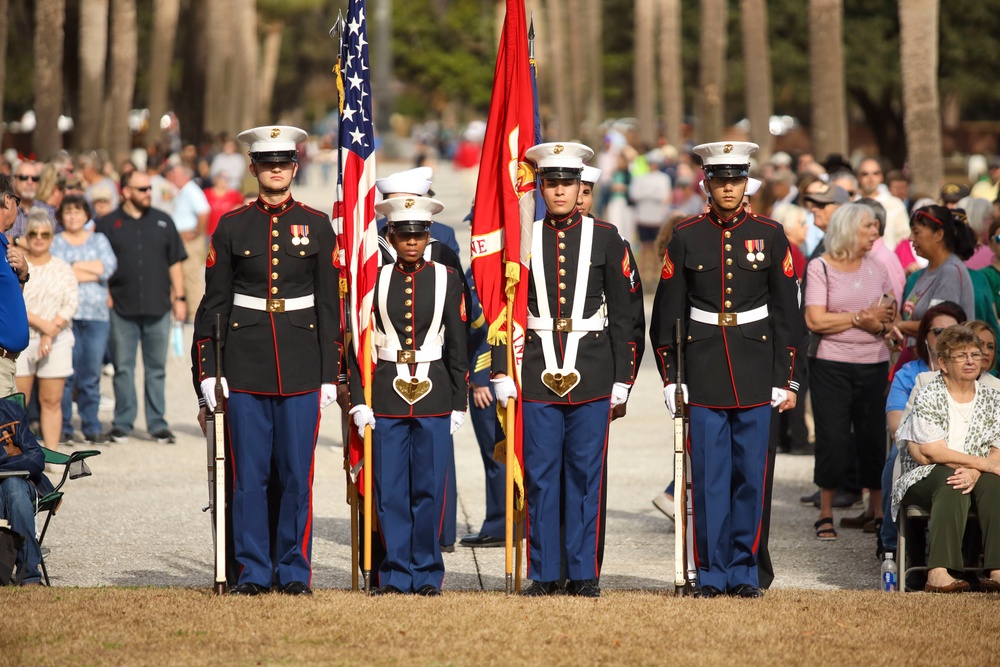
(561, 380)
(411, 388)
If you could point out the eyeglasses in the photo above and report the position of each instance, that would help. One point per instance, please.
(25, 177)
(17, 200)
(937, 331)
(920, 213)
(39, 235)
(145, 189)
(967, 356)
(870, 173)
(996, 239)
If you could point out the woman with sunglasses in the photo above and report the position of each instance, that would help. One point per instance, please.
(50, 298)
(945, 242)
(949, 452)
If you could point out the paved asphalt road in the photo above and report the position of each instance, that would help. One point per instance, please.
(138, 520)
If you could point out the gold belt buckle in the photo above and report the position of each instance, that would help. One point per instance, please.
(275, 305)
(405, 356)
(562, 324)
(727, 319)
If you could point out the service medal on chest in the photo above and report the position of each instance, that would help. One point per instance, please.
(755, 249)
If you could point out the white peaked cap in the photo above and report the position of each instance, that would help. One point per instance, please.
(272, 138)
(590, 174)
(726, 152)
(412, 181)
(408, 209)
(558, 156)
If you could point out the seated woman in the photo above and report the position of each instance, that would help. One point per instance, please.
(949, 451)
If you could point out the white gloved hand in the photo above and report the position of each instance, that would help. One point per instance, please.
(457, 419)
(619, 393)
(208, 391)
(504, 388)
(327, 394)
(363, 416)
(778, 396)
(669, 393)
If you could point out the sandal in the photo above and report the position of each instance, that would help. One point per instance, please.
(826, 534)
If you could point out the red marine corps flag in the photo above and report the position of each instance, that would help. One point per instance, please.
(504, 213)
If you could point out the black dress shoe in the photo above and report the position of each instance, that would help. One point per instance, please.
(429, 591)
(746, 591)
(248, 589)
(707, 592)
(387, 590)
(447, 548)
(482, 540)
(541, 589)
(586, 588)
(296, 588)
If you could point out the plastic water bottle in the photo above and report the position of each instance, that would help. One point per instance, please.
(890, 574)
(177, 339)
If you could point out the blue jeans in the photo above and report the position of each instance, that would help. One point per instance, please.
(91, 342)
(17, 505)
(126, 334)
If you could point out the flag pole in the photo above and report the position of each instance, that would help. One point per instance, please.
(509, 433)
(366, 370)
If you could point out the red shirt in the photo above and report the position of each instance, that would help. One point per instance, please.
(221, 204)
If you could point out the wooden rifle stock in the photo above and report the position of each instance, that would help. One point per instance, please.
(219, 495)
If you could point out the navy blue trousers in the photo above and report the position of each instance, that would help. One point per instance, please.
(278, 430)
(728, 450)
(449, 499)
(488, 433)
(563, 466)
(411, 460)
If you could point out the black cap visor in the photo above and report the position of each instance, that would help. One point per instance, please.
(560, 173)
(409, 227)
(275, 156)
(727, 171)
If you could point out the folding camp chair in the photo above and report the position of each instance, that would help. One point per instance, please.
(74, 467)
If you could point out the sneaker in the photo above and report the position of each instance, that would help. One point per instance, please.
(95, 438)
(665, 503)
(108, 370)
(66, 440)
(164, 437)
(118, 435)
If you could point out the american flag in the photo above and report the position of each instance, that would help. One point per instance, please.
(357, 176)
(354, 212)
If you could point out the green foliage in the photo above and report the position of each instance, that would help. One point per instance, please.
(446, 53)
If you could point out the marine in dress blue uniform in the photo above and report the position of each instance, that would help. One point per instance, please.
(418, 398)
(727, 275)
(271, 276)
(442, 248)
(577, 365)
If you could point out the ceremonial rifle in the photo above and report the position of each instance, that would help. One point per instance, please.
(680, 485)
(218, 494)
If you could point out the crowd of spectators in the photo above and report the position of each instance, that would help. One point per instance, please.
(116, 255)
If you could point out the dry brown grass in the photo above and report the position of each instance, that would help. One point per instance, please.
(116, 626)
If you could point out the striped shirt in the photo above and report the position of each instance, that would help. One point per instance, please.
(848, 292)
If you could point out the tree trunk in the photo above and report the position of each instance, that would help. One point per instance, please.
(918, 53)
(712, 75)
(757, 75)
(219, 66)
(243, 87)
(165, 15)
(4, 8)
(93, 62)
(671, 74)
(562, 128)
(124, 50)
(826, 77)
(595, 72)
(190, 106)
(50, 23)
(381, 62)
(644, 73)
(577, 48)
(269, 69)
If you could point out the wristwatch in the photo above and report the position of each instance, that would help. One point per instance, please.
(21, 280)
(180, 298)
